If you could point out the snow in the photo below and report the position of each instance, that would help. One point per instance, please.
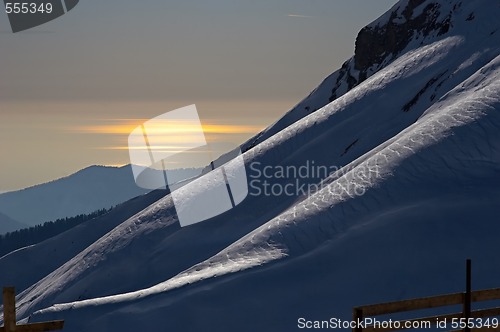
(481, 27)
(414, 196)
(384, 19)
(419, 10)
(65, 246)
(399, 20)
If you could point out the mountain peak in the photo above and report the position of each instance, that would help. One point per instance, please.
(407, 26)
(409, 19)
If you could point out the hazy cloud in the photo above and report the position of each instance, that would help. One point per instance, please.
(301, 16)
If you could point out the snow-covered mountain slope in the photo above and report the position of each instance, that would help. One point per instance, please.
(417, 145)
(65, 246)
(406, 26)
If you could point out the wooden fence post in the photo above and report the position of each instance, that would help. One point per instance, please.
(357, 316)
(9, 305)
(468, 296)
(9, 317)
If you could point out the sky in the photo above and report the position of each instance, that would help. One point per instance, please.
(72, 88)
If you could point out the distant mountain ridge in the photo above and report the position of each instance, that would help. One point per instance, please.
(88, 190)
(8, 224)
(83, 192)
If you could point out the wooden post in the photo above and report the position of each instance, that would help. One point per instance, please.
(9, 309)
(357, 315)
(9, 317)
(468, 292)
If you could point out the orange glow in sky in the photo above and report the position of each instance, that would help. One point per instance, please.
(177, 127)
(179, 133)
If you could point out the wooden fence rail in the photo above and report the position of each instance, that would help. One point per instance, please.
(466, 299)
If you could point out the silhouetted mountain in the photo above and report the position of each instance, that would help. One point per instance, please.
(91, 189)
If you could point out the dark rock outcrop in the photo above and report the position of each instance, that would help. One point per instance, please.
(377, 45)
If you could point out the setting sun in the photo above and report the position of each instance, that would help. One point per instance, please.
(171, 135)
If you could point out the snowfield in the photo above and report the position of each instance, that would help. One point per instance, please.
(417, 146)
